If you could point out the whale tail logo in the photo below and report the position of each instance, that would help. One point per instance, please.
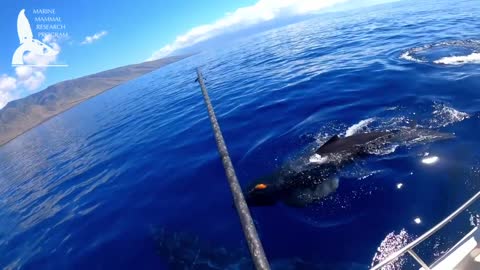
(28, 43)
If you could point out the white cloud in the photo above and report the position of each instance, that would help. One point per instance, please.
(262, 11)
(23, 72)
(7, 85)
(96, 36)
(29, 78)
(34, 81)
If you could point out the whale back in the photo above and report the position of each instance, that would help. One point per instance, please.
(351, 144)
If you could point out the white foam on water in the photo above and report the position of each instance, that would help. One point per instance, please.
(474, 219)
(422, 138)
(413, 54)
(369, 174)
(393, 108)
(318, 159)
(384, 150)
(459, 60)
(393, 123)
(444, 115)
(408, 56)
(390, 245)
(358, 126)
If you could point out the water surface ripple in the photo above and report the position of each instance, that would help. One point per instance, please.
(85, 189)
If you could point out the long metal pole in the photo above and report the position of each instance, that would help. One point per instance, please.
(254, 244)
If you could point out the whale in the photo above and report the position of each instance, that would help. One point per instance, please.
(319, 178)
(185, 250)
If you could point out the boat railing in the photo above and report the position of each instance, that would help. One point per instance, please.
(409, 248)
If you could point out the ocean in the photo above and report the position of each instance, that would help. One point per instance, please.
(131, 179)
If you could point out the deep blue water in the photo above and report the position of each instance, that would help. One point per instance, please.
(88, 188)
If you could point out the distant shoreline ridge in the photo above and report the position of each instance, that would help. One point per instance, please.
(21, 115)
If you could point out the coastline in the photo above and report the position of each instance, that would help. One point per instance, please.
(22, 115)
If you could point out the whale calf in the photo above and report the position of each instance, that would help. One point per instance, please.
(318, 179)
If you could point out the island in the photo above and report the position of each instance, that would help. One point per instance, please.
(21, 115)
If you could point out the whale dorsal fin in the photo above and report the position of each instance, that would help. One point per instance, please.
(23, 27)
(330, 141)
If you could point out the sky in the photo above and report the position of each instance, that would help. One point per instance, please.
(78, 38)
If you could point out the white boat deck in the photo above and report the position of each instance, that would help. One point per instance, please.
(465, 255)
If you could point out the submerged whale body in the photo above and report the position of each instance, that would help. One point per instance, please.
(318, 179)
(181, 250)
